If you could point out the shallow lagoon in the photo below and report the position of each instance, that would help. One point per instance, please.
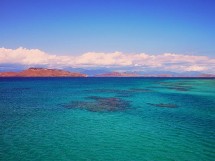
(107, 119)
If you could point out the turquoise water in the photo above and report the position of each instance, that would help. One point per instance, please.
(96, 119)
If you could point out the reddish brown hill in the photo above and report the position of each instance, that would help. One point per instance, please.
(42, 72)
(7, 74)
(118, 74)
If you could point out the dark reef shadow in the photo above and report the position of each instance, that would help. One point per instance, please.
(100, 104)
(163, 105)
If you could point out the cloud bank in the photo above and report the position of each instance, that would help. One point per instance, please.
(167, 61)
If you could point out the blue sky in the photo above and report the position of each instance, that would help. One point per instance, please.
(134, 35)
(133, 26)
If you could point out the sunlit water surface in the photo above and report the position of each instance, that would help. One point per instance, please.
(100, 119)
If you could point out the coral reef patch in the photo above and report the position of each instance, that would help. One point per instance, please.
(121, 93)
(100, 104)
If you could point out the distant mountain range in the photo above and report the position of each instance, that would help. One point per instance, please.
(118, 74)
(79, 72)
(107, 72)
(133, 74)
(42, 72)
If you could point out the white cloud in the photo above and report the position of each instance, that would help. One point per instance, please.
(196, 68)
(103, 59)
(166, 61)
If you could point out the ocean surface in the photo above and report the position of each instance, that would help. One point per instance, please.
(102, 119)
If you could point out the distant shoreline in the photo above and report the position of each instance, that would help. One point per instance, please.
(50, 73)
(114, 77)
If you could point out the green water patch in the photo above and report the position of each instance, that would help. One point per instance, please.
(139, 90)
(163, 105)
(178, 86)
(100, 104)
(121, 93)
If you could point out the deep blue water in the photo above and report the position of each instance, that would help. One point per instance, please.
(99, 119)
